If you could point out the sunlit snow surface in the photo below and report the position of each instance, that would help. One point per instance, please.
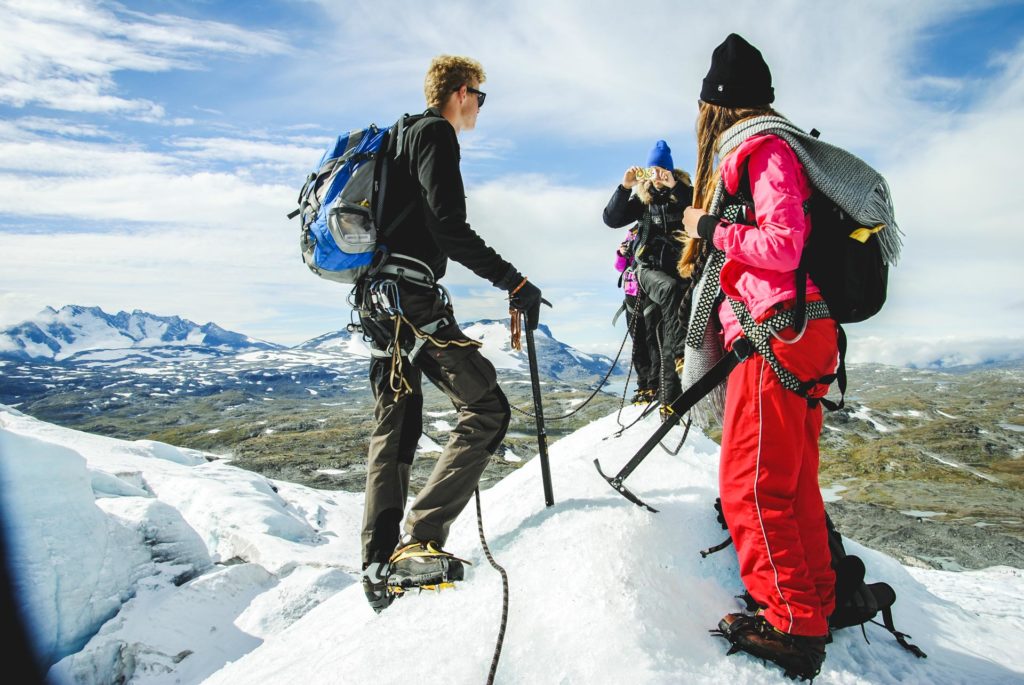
(601, 590)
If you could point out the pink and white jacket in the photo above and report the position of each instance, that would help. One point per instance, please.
(760, 260)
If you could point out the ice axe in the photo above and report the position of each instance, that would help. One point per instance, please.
(538, 412)
(538, 407)
(740, 351)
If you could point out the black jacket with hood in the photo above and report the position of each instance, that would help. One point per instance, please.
(655, 245)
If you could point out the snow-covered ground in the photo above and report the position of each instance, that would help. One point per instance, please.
(147, 564)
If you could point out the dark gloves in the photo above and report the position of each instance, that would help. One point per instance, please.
(706, 227)
(523, 296)
(527, 299)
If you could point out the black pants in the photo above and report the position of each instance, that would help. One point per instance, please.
(643, 326)
(470, 381)
(666, 292)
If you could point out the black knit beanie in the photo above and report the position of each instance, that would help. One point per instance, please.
(738, 77)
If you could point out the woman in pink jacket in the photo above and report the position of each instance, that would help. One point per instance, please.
(769, 461)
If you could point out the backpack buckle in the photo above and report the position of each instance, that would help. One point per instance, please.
(742, 348)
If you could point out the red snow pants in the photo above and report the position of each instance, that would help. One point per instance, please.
(768, 480)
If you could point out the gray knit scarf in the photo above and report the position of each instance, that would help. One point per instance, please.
(843, 177)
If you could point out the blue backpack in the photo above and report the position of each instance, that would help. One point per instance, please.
(342, 200)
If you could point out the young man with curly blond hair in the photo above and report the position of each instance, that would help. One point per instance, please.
(426, 202)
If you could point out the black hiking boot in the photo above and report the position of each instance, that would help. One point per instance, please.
(424, 565)
(644, 396)
(375, 586)
(799, 656)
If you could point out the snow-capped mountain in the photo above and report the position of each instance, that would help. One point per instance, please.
(75, 333)
(122, 384)
(148, 564)
(555, 359)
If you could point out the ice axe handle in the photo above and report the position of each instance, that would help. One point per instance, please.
(538, 412)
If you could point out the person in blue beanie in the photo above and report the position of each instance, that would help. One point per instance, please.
(655, 196)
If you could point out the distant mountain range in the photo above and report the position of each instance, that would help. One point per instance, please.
(76, 336)
(74, 333)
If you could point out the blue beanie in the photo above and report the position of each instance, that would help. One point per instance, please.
(660, 156)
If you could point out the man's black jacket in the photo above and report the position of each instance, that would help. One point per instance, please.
(427, 173)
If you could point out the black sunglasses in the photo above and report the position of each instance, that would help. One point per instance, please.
(480, 95)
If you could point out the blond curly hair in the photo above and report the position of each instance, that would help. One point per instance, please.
(448, 73)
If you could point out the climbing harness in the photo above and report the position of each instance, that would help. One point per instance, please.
(380, 301)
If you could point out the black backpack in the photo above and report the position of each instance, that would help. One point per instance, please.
(857, 602)
(842, 257)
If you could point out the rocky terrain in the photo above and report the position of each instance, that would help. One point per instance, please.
(930, 452)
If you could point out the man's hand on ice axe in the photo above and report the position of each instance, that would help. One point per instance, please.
(526, 299)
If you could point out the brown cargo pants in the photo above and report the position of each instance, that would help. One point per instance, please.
(470, 382)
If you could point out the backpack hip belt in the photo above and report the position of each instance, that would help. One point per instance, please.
(760, 335)
(379, 293)
(402, 267)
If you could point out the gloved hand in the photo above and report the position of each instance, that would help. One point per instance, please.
(525, 297)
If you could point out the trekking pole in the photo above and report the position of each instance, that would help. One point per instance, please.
(538, 411)
(741, 349)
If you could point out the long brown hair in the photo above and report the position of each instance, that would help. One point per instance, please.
(712, 122)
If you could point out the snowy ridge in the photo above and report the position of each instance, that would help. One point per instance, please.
(99, 348)
(601, 591)
(75, 332)
(555, 359)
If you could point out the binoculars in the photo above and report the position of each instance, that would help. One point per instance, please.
(646, 174)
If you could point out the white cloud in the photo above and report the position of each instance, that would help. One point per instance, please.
(589, 70)
(955, 197)
(60, 127)
(123, 183)
(63, 55)
(248, 278)
(197, 199)
(940, 352)
(587, 75)
(241, 151)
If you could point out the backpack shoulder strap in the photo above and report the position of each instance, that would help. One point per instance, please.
(398, 130)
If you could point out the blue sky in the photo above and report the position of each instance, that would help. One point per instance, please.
(150, 150)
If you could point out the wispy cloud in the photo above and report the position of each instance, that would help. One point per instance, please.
(936, 353)
(64, 55)
(954, 190)
(195, 223)
(213, 181)
(242, 151)
(58, 127)
(601, 71)
(248, 277)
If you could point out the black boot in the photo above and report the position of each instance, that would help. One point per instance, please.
(799, 656)
(375, 577)
(643, 396)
